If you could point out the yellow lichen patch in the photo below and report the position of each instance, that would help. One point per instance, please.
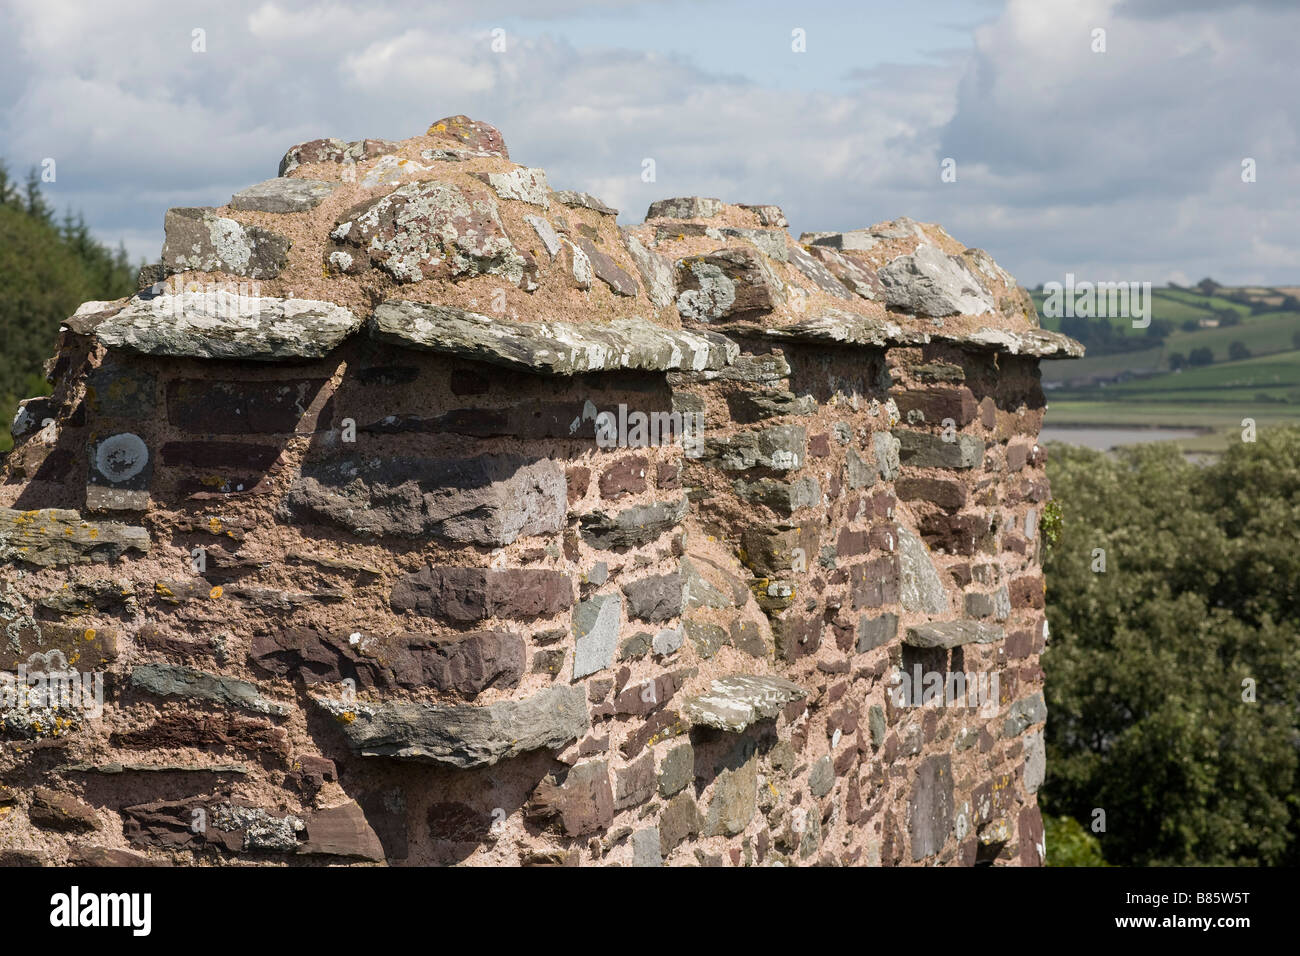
(437, 128)
(214, 525)
(162, 590)
(90, 634)
(216, 592)
(347, 717)
(213, 481)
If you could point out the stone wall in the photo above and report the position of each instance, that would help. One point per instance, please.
(417, 513)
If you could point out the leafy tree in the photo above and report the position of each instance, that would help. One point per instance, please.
(1237, 350)
(46, 271)
(1069, 844)
(1190, 325)
(1228, 317)
(1200, 356)
(1177, 360)
(1207, 286)
(1150, 662)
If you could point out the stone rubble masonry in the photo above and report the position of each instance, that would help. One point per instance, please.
(414, 512)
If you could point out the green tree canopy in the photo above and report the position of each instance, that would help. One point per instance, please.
(1148, 664)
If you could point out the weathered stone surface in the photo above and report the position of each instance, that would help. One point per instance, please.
(579, 200)
(931, 282)
(61, 811)
(576, 802)
(283, 194)
(855, 274)
(779, 447)
(635, 783)
(655, 598)
(951, 634)
(460, 662)
(468, 595)
(822, 777)
(821, 277)
(886, 450)
(707, 638)
(735, 793)
(117, 389)
(180, 729)
(546, 232)
(677, 770)
(730, 284)
(876, 632)
(1023, 714)
(949, 495)
(668, 641)
(166, 680)
(464, 735)
(51, 537)
(684, 207)
(926, 450)
(607, 270)
(524, 184)
(734, 703)
(198, 240)
(930, 807)
(656, 271)
(1035, 761)
(342, 831)
(770, 242)
(921, 588)
(678, 821)
(768, 215)
(225, 407)
(645, 847)
(596, 626)
(631, 527)
(226, 325)
(481, 138)
(784, 497)
(491, 499)
(996, 605)
(425, 230)
(551, 348)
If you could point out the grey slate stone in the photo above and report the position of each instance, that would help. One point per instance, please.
(886, 447)
(166, 680)
(920, 587)
(1023, 714)
(822, 277)
(656, 598)
(860, 474)
(656, 272)
(875, 632)
(785, 497)
(779, 447)
(677, 770)
(685, 207)
(631, 527)
(931, 282)
(950, 634)
(668, 641)
(822, 777)
(283, 194)
(1035, 761)
(584, 201)
(930, 808)
(225, 325)
(595, 630)
(927, 450)
(465, 735)
(550, 348)
(734, 703)
(198, 240)
(524, 184)
(53, 537)
(645, 848)
(490, 499)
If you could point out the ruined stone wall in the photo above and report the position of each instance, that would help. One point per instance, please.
(482, 530)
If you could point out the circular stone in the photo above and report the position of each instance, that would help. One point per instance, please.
(121, 457)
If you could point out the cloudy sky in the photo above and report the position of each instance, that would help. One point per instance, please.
(1122, 164)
